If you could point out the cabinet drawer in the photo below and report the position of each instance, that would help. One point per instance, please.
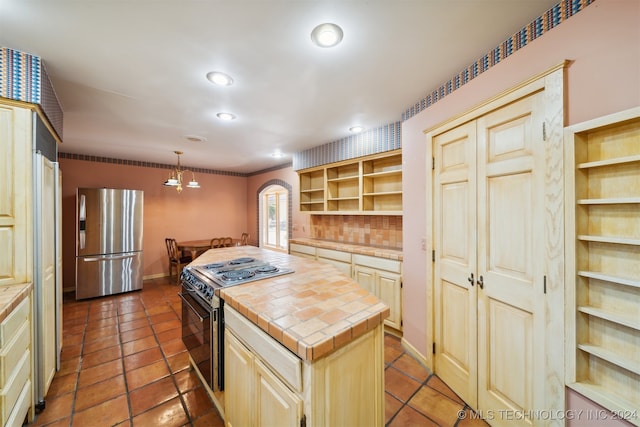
(332, 254)
(281, 360)
(21, 408)
(13, 321)
(11, 392)
(342, 266)
(13, 352)
(392, 265)
(302, 249)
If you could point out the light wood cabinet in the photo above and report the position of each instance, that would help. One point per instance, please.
(603, 261)
(302, 250)
(383, 278)
(15, 365)
(339, 259)
(371, 184)
(271, 386)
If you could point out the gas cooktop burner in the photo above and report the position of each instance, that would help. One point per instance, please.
(238, 261)
(266, 269)
(238, 274)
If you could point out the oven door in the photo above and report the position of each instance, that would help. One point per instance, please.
(197, 335)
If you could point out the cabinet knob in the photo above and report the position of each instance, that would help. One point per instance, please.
(470, 279)
(481, 282)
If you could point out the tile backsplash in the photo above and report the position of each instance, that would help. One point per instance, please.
(368, 230)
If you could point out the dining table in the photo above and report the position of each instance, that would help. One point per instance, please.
(194, 247)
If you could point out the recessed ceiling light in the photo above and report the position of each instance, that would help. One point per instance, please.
(277, 154)
(326, 35)
(219, 78)
(356, 129)
(226, 116)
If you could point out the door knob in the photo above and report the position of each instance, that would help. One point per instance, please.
(470, 279)
(481, 282)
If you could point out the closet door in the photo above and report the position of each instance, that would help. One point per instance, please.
(510, 215)
(455, 292)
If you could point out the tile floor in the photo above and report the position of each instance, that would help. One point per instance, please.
(124, 364)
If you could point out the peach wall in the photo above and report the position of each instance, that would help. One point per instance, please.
(300, 221)
(217, 208)
(603, 43)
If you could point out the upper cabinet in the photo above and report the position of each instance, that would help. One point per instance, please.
(368, 185)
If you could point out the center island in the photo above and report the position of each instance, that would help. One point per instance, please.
(301, 349)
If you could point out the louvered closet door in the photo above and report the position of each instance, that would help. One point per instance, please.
(455, 242)
(488, 226)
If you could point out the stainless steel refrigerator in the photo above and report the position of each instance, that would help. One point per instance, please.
(109, 241)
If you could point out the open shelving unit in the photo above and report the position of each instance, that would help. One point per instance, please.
(603, 260)
(368, 185)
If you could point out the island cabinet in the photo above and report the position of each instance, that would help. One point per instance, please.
(383, 278)
(268, 385)
(15, 365)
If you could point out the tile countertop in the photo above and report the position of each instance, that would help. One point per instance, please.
(312, 312)
(351, 248)
(11, 296)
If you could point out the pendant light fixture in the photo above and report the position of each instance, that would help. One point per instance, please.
(175, 180)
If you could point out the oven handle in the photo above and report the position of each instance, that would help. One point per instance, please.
(195, 310)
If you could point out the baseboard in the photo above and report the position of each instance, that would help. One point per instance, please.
(416, 354)
(155, 276)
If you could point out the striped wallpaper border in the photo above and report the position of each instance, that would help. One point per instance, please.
(23, 77)
(550, 19)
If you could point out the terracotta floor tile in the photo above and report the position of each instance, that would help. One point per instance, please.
(70, 351)
(97, 324)
(143, 358)
(152, 395)
(163, 317)
(65, 422)
(391, 406)
(411, 367)
(101, 356)
(159, 308)
(187, 380)
(100, 372)
(391, 354)
(134, 324)
(436, 406)
(437, 384)
(170, 335)
(147, 374)
(399, 385)
(210, 419)
(197, 402)
(165, 326)
(128, 317)
(100, 344)
(136, 334)
(107, 413)
(172, 347)
(410, 417)
(130, 307)
(69, 366)
(62, 384)
(471, 421)
(169, 414)
(102, 314)
(57, 408)
(100, 392)
(178, 362)
(132, 347)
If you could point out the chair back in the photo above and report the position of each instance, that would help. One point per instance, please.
(227, 242)
(172, 248)
(244, 239)
(216, 243)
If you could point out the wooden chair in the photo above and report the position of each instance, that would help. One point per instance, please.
(216, 243)
(176, 259)
(227, 242)
(244, 239)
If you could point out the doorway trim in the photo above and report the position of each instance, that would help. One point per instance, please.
(259, 191)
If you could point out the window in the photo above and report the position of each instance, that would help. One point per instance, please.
(275, 217)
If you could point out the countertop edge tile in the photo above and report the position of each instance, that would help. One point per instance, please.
(12, 296)
(389, 253)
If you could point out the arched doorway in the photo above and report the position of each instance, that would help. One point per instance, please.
(274, 212)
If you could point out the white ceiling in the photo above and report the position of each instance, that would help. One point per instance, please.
(130, 74)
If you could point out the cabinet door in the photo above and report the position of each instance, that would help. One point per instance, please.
(276, 404)
(389, 292)
(239, 397)
(366, 277)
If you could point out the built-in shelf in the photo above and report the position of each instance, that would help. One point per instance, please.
(368, 185)
(603, 261)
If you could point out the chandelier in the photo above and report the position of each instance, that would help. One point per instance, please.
(175, 180)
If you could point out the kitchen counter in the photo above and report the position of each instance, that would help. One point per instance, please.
(312, 312)
(11, 296)
(351, 248)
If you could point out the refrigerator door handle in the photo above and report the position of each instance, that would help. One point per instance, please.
(82, 220)
(108, 258)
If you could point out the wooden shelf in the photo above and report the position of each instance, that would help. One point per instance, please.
(371, 185)
(603, 259)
